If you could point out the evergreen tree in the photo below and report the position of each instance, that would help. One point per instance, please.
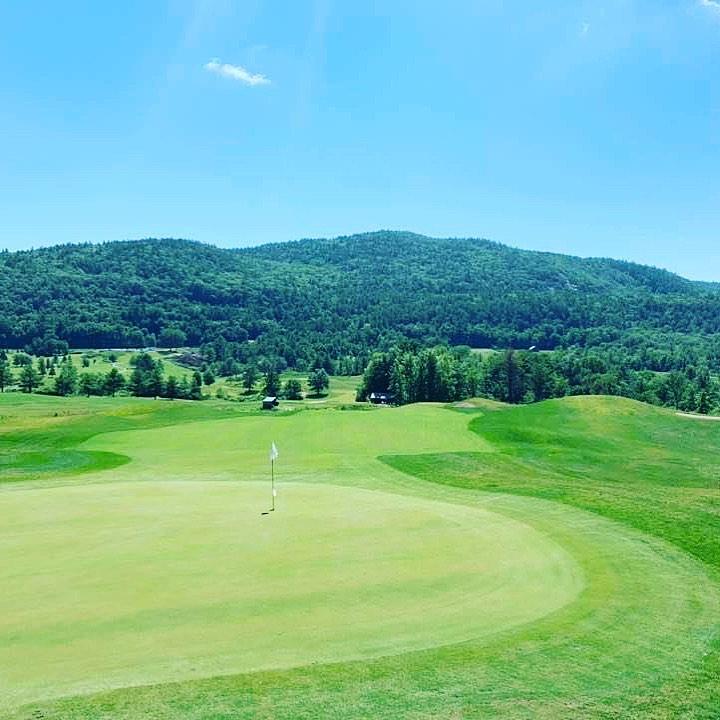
(156, 380)
(137, 383)
(271, 384)
(147, 377)
(114, 382)
(6, 376)
(676, 384)
(91, 384)
(228, 367)
(376, 377)
(184, 388)
(704, 404)
(171, 387)
(249, 378)
(513, 377)
(66, 380)
(401, 381)
(293, 389)
(196, 387)
(690, 399)
(29, 378)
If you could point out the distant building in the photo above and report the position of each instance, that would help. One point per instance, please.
(381, 398)
(270, 403)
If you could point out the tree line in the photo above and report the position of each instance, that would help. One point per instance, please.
(408, 372)
(412, 374)
(147, 378)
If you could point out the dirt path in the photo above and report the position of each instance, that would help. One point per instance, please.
(714, 418)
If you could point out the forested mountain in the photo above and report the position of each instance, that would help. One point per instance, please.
(345, 297)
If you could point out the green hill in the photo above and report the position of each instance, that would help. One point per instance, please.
(348, 296)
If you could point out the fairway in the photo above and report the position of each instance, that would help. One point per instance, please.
(422, 557)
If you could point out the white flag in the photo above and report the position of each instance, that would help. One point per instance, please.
(273, 452)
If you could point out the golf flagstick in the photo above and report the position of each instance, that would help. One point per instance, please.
(273, 456)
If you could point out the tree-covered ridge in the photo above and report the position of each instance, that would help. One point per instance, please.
(346, 297)
(482, 263)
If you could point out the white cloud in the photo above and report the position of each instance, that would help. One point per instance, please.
(712, 4)
(584, 29)
(236, 72)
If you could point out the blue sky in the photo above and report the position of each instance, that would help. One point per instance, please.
(589, 127)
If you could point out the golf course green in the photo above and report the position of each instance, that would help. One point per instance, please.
(559, 560)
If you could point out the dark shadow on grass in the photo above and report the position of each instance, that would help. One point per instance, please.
(26, 465)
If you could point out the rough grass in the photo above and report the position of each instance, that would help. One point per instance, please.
(628, 492)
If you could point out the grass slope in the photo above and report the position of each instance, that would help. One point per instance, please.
(621, 497)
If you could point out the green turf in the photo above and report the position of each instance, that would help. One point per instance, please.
(553, 561)
(40, 435)
(122, 585)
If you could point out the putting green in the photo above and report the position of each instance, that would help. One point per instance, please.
(107, 586)
(315, 446)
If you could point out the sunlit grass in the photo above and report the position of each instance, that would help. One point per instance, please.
(626, 494)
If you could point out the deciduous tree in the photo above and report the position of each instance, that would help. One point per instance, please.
(319, 380)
